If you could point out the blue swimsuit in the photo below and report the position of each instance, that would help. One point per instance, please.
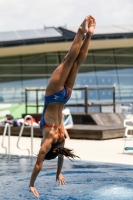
(61, 96)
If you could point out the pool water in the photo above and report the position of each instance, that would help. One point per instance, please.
(85, 180)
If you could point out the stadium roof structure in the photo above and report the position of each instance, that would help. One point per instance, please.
(52, 34)
(121, 36)
(111, 32)
(36, 36)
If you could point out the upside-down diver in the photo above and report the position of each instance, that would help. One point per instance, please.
(58, 92)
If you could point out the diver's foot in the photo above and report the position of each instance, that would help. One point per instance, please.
(84, 25)
(91, 25)
(88, 25)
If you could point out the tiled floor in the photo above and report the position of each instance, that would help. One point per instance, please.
(110, 151)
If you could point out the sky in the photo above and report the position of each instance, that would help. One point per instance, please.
(33, 14)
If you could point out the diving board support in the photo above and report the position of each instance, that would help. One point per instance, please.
(30, 151)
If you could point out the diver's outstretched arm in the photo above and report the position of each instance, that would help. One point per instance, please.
(59, 177)
(46, 146)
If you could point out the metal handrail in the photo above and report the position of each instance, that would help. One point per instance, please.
(7, 126)
(20, 134)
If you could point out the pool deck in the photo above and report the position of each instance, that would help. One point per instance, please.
(108, 151)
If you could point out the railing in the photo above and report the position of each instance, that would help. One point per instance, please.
(7, 126)
(26, 98)
(20, 134)
(86, 104)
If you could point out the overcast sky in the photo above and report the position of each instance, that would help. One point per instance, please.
(33, 14)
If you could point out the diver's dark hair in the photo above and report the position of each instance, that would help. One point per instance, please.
(55, 151)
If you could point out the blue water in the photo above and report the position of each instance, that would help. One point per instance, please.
(85, 180)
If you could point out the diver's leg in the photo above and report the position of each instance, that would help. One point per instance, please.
(82, 55)
(60, 75)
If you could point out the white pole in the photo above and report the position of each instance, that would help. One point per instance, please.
(9, 133)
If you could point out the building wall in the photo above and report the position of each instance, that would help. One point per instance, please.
(103, 67)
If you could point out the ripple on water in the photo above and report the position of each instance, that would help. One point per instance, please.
(85, 181)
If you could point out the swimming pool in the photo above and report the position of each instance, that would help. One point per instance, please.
(85, 180)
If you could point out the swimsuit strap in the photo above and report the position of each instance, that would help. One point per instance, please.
(59, 128)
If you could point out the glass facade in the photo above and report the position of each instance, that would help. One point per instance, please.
(102, 68)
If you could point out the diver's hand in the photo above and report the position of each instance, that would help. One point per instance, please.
(61, 180)
(34, 191)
